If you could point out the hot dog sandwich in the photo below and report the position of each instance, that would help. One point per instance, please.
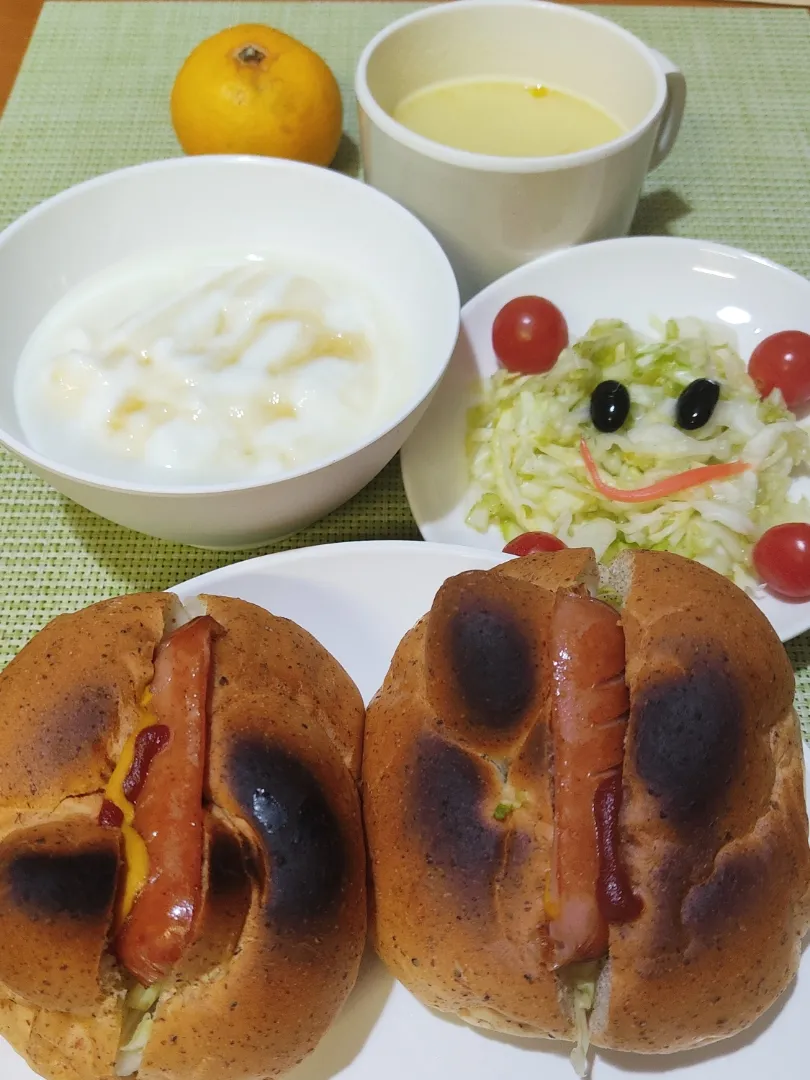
(182, 865)
(586, 820)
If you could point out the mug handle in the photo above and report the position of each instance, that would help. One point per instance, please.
(673, 110)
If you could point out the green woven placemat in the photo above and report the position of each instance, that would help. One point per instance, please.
(93, 95)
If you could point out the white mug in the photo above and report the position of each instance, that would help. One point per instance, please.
(493, 213)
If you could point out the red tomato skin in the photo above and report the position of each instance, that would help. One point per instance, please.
(531, 542)
(781, 557)
(783, 361)
(528, 335)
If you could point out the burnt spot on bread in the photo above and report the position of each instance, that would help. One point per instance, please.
(492, 663)
(227, 876)
(449, 795)
(737, 882)
(57, 894)
(687, 734)
(484, 659)
(76, 886)
(53, 885)
(82, 721)
(70, 733)
(303, 840)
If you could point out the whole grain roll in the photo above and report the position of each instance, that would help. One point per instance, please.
(457, 791)
(283, 922)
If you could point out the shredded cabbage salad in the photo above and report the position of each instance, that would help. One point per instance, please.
(524, 437)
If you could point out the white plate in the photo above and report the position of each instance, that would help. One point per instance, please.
(632, 279)
(359, 600)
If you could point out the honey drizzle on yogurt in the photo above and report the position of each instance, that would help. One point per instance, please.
(274, 367)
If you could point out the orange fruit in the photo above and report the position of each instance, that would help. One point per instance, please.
(255, 90)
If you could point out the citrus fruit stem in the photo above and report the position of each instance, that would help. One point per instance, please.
(251, 54)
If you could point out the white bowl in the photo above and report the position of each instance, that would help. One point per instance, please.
(633, 279)
(241, 203)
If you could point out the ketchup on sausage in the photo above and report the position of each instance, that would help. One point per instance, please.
(148, 744)
(614, 895)
(110, 816)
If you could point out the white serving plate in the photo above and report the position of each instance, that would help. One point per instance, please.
(359, 599)
(634, 279)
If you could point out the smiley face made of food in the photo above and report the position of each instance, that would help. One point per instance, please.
(182, 864)
(586, 822)
(663, 442)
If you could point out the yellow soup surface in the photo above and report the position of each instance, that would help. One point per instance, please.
(506, 117)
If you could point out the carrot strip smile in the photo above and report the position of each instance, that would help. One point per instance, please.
(704, 474)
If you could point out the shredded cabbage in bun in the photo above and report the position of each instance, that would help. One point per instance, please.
(139, 1012)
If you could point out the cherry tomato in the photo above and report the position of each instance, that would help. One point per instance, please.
(782, 559)
(783, 360)
(531, 542)
(528, 335)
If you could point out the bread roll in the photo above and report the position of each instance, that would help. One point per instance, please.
(284, 915)
(713, 827)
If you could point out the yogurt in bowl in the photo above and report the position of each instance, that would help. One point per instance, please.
(218, 350)
(201, 367)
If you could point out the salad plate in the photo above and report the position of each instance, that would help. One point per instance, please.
(713, 304)
(359, 599)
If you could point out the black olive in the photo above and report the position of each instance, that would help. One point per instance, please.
(696, 404)
(610, 405)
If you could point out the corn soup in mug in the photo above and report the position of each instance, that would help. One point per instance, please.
(505, 118)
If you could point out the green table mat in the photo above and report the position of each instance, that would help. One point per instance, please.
(93, 96)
